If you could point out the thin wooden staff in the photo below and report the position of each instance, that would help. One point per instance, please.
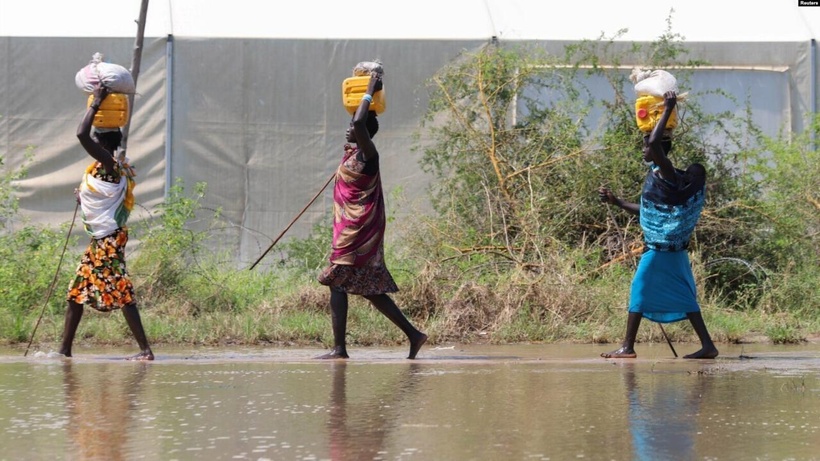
(294, 220)
(668, 341)
(54, 281)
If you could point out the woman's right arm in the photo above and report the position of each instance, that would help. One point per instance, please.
(363, 140)
(655, 139)
(93, 148)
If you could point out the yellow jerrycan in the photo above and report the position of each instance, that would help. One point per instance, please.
(648, 110)
(353, 88)
(113, 112)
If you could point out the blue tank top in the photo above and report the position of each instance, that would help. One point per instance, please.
(670, 212)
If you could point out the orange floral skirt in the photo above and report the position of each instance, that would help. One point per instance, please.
(101, 280)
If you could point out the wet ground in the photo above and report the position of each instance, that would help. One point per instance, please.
(453, 403)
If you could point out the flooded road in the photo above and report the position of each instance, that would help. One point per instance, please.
(540, 402)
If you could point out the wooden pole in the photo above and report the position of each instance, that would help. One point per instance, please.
(136, 59)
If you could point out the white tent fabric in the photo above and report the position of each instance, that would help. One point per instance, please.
(697, 20)
(245, 95)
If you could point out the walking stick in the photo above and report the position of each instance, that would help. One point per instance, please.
(668, 341)
(294, 220)
(53, 282)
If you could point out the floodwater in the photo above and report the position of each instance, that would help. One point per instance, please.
(535, 402)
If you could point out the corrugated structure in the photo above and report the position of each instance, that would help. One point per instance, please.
(245, 95)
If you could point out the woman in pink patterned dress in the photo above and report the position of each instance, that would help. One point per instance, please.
(357, 259)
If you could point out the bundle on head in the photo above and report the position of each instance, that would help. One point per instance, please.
(367, 67)
(114, 76)
(650, 86)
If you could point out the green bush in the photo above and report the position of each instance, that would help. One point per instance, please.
(30, 256)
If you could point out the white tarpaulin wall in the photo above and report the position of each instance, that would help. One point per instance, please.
(246, 95)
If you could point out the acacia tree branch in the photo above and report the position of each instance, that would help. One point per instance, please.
(544, 164)
(491, 150)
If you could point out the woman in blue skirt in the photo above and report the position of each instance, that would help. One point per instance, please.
(663, 289)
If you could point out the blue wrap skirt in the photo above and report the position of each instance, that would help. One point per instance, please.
(663, 289)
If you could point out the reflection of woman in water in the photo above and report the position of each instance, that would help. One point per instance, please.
(358, 430)
(662, 414)
(100, 401)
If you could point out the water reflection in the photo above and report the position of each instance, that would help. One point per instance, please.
(663, 414)
(358, 428)
(100, 400)
(489, 403)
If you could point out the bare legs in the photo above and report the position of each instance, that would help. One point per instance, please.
(388, 308)
(132, 317)
(385, 305)
(627, 349)
(338, 317)
(707, 347)
(74, 314)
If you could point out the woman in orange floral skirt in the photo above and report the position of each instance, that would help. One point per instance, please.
(106, 198)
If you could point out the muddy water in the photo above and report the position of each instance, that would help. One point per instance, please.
(455, 403)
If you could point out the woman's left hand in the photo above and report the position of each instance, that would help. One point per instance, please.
(100, 92)
(670, 99)
(375, 84)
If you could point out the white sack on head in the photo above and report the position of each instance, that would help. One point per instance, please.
(114, 76)
(653, 83)
(366, 67)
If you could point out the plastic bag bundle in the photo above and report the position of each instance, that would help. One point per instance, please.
(653, 82)
(364, 68)
(114, 76)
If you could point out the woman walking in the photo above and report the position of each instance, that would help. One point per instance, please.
(357, 258)
(663, 288)
(106, 198)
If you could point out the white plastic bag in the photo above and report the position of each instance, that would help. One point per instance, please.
(653, 82)
(366, 67)
(114, 76)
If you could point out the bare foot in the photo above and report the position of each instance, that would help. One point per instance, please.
(416, 344)
(705, 353)
(622, 353)
(336, 353)
(142, 356)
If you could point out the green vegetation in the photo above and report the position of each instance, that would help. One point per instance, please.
(518, 250)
